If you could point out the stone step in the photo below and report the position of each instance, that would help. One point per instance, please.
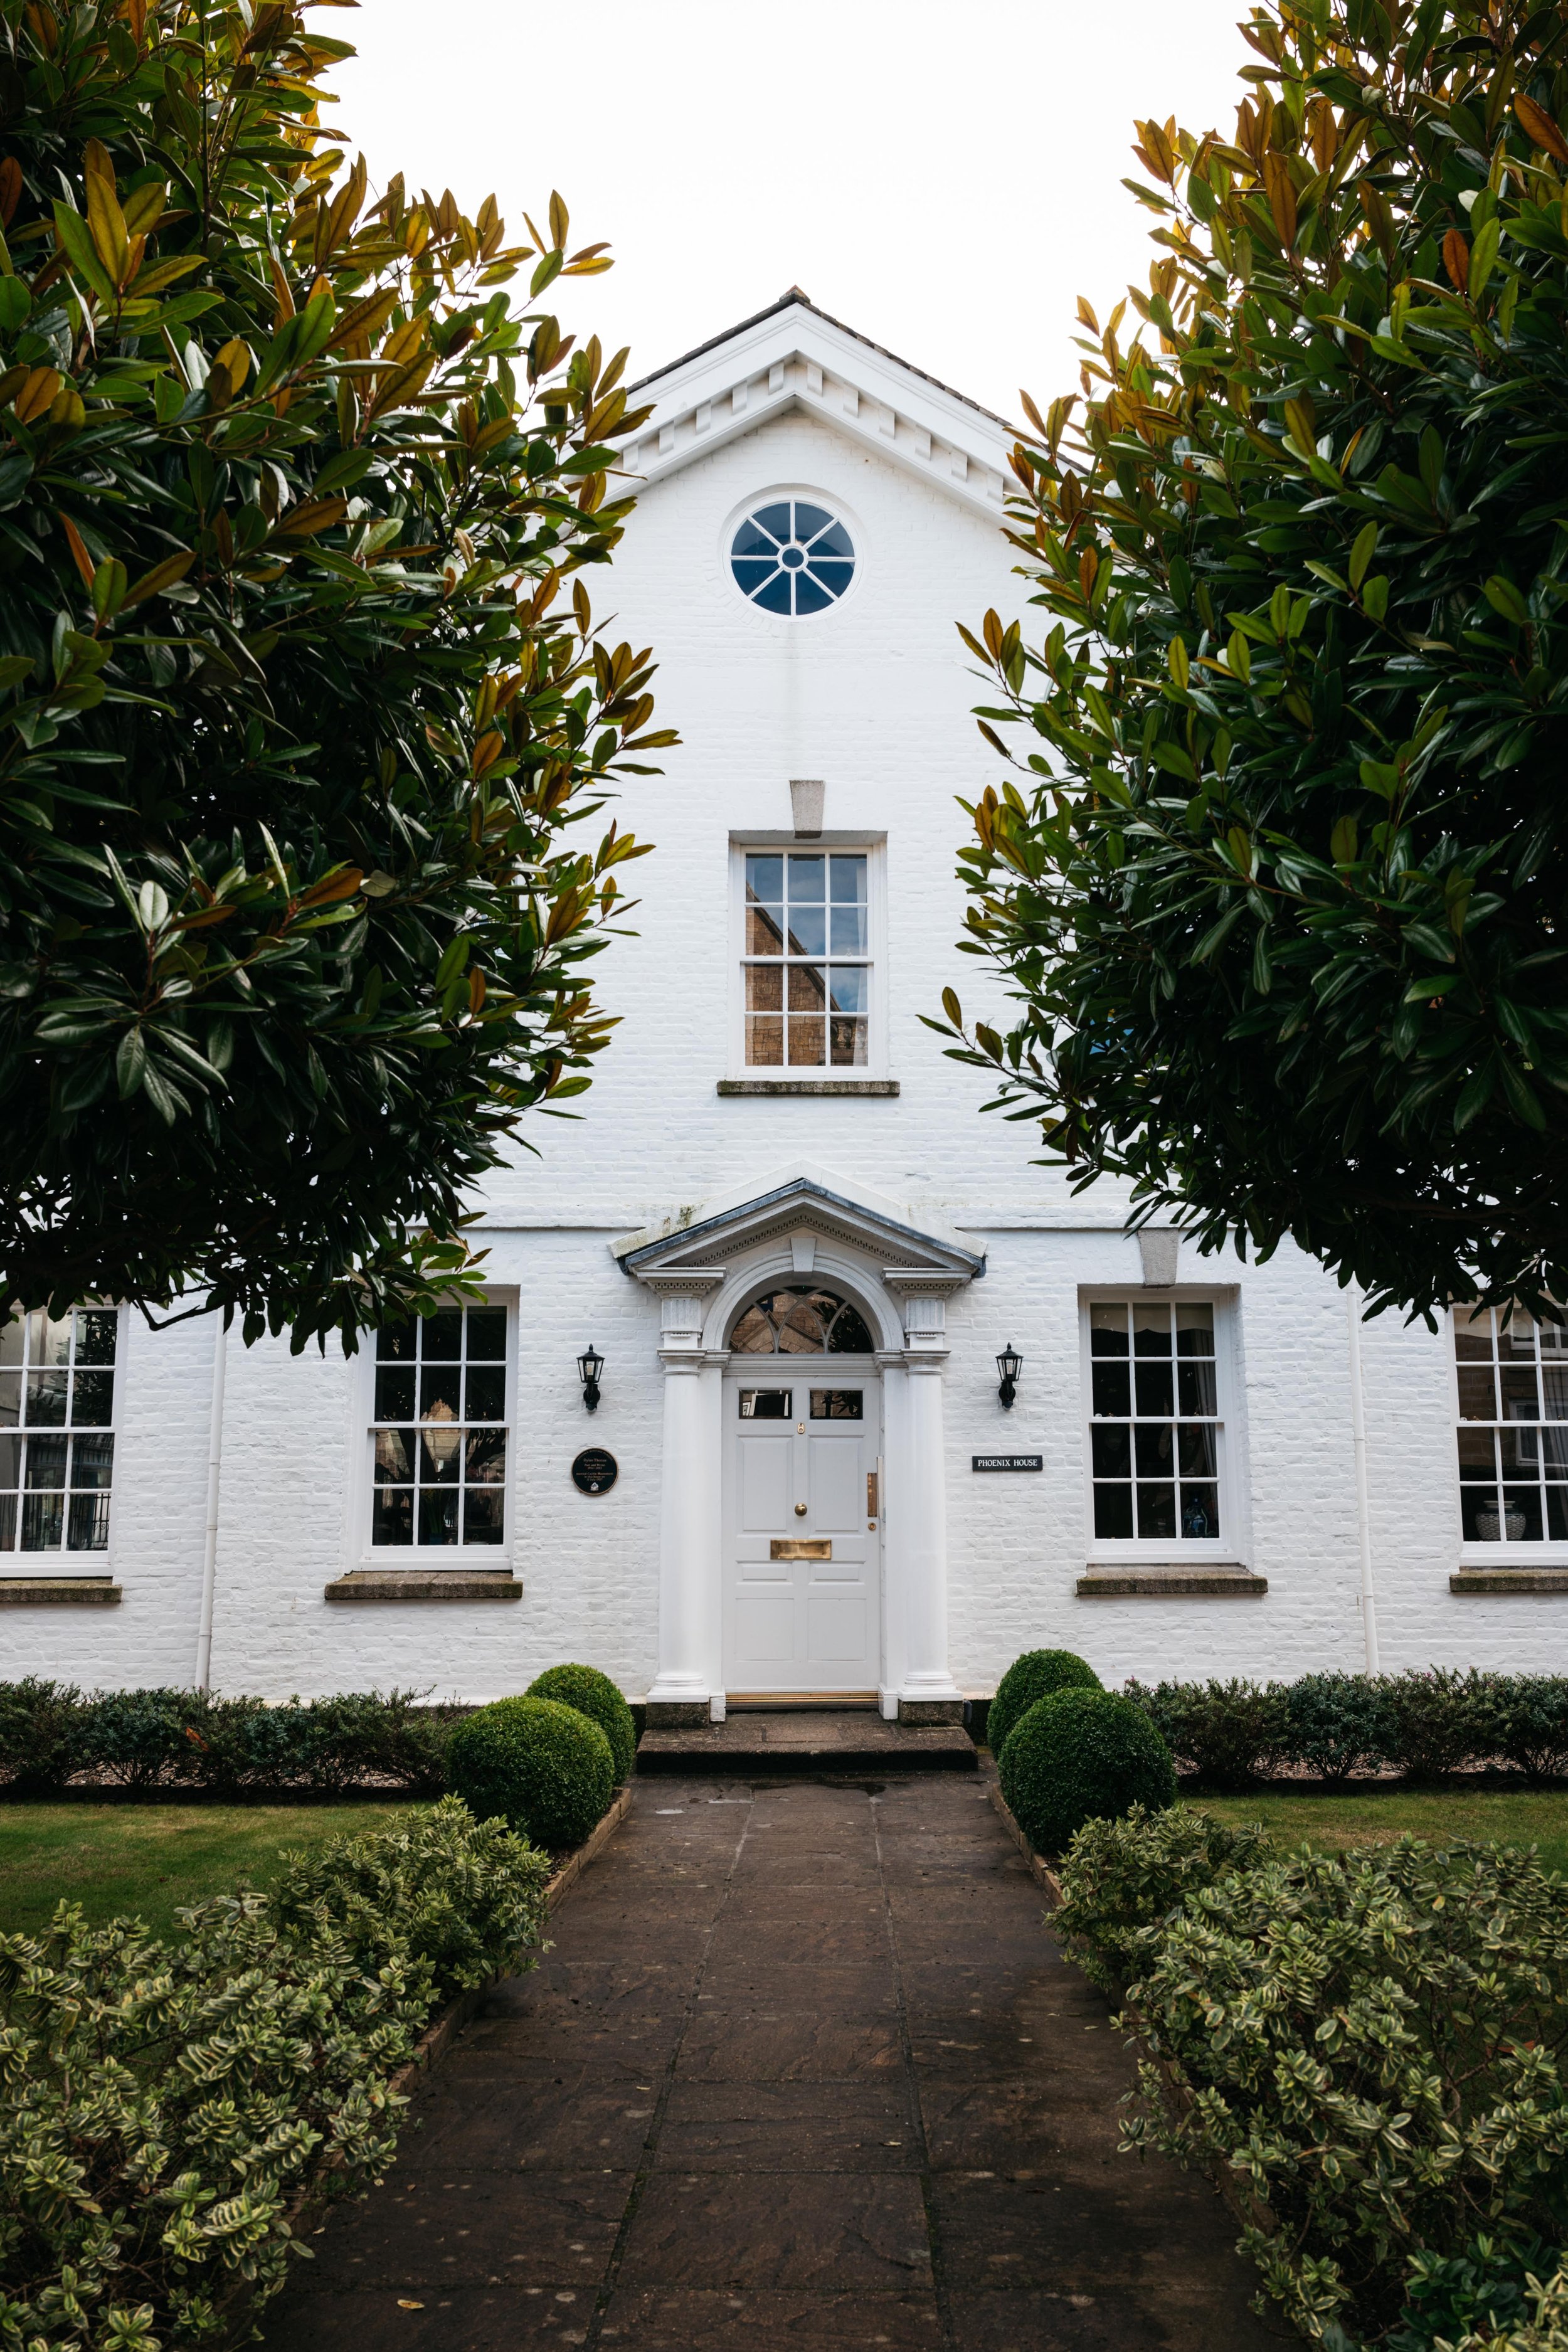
(808, 1740)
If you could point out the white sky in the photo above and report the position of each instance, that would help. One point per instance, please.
(945, 179)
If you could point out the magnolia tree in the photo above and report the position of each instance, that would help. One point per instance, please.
(1280, 881)
(305, 723)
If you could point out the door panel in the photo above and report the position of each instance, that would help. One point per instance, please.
(813, 1623)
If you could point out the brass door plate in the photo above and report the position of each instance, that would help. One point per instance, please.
(782, 1548)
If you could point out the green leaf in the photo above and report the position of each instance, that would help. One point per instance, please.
(1504, 598)
(1362, 552)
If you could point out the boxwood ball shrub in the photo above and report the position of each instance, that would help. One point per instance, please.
(1082, 1756)
(1034, 1677)
(544, 1769)
(596, 1696)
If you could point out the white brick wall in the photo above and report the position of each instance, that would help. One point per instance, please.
(875, 697)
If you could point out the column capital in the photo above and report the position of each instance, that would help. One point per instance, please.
(922, 1296)
(681, 1294)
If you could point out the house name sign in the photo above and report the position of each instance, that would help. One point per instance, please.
(1007, 1462)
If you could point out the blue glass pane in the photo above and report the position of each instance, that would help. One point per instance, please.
(806, 879)
(775, 519)
(793, 558)
(775, 597)
(848, 931)
(847, 987)
(834, 578)
(764, 879)
(752, 574)
(834, 541)
(848, 881)
(750, 540)
(808, 596)
(809, 521)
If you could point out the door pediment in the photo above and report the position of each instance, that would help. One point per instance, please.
(796, 1209)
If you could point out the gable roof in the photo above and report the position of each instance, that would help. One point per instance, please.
(794, 356)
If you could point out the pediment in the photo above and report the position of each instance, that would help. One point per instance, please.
(801, 1205)
(795, 357)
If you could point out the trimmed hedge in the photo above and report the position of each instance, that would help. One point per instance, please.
(596, 1696)
(1034, 1677)
(168, 2105)
(1374, 2044)
(1078, 1756)
(543, 1768)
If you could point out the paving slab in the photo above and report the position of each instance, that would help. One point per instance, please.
(803, 2070)
(808, 1739)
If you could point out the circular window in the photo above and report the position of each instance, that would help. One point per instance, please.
(802, 1320)
(792, 556)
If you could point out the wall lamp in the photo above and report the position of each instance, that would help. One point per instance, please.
(1009, 1363)
(589, 1366)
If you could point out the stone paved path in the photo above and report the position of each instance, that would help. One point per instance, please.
(802, 2071)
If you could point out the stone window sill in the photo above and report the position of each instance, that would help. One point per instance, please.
(883, 1086)
(1209, 1581)
(1513, 1578)
(59, 1592)
(363, 1584)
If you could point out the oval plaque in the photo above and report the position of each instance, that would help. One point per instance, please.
(594, 1472)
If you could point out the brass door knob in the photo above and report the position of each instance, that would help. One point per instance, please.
(799, 1510)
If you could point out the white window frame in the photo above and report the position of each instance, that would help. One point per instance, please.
(65, 1562)
(873, 847)
(1501, 1554)
(1229, 1549)
(466, 1558)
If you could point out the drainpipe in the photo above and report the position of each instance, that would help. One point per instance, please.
(1364, 1518)
(214, 1470)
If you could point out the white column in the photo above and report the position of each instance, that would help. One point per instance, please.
(688, 1569)
(919, 1501)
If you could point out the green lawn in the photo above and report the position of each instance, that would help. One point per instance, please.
(1527, 1817)
(145, 1859)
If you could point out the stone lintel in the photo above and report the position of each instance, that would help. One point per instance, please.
(361, 1584)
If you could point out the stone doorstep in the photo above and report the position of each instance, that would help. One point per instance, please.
(752, 1743)
(1508, 1580)
(363, 1584)
(59, 1592)
(1167, 1583)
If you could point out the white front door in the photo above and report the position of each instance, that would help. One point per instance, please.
(803, 1532)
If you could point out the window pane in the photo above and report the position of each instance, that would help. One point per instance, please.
(764, 987)
(764, 930)
(848, 989)
(439, 1392)
(484, 1512)
(1554, 1390)
(484, 1458)
(96, 1328)
(394, 1519)
(48, 1342)
(1111, 1450)
(46, 1461)
(1156, 1511)
(10, 1399)
(850, 935)
(1477, 1454)
(764, 879)
(1473, 1335)
(1554, 1452)
(394, 1457)
(750, 543)
(442, 1336)
(1196, 1450)
(1200, 1513)
(848, 886)
(1113, 1511)
(1557, 1514)
(7, 1522)
(10, 1462)
(1519, 1398)
(1154, 1400)
(1112, 1389)
(394, 1392)
(847, 1042)
(43, 1522)
(848, 1335)
(764, 1041)
(441, 1450)
(396, 1343)
(809, 519)
(810, 594)
(775, 597)
(1195, 1387)
(1107, 1330)
(13, 1341)
(92, 1399)
(1151, 1330)
(775, 519)
(837, 1404)
(753, 1334)
(1194, 1330)
(807, 930)
(485, 1393)
(1479, 1519)
(1517, 1342)
(1152, 1449)
(439, 1515)
(92, 1461)
(808, 881)
(1477, 1393)
(805, 1041)
(88, 1526)
(1522, 1501)
(487, 1335)
(1520, 1448)
(46, 1399)
(764, 1404)
(807, 988)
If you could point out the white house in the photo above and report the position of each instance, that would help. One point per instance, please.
(799, 1249)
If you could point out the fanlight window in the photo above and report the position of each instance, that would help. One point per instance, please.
(799, 1320)
(792, 556)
